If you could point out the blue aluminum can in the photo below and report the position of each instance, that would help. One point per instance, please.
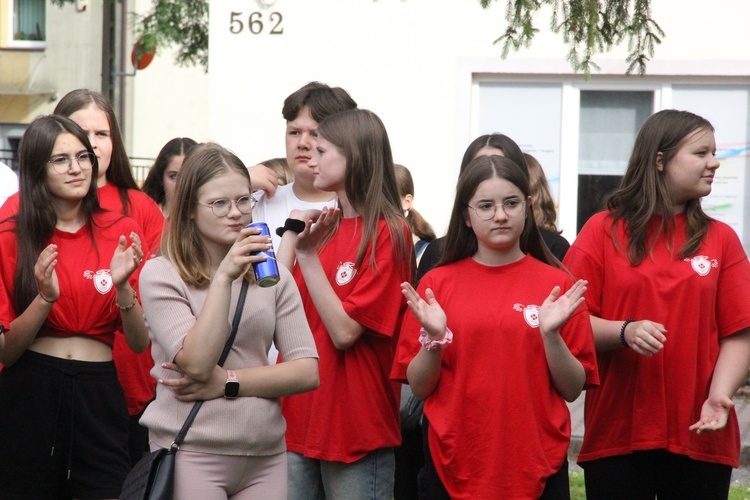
(266, 272)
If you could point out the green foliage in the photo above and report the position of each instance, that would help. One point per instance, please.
(577, 488)
(181, 23)
(739, 492)
(588, 27)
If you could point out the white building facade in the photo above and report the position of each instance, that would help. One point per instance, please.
(428, 68)
(431, 72)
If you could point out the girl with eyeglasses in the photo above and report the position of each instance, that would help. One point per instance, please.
(497, 342)
(348, 265)
(67, 288)
(235, 448)
(117, 191)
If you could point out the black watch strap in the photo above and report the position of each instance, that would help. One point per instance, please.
(293, 225)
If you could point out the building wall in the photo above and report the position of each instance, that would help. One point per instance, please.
(166, 101)
(418, 67)
(423, 69)
(32, 79)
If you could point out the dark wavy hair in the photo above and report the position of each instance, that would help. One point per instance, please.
(36, 217)
(322, 101)
(644, 192)
(154, 183)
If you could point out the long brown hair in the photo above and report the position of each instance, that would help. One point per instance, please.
(417, 223)
(182, 243)
(370, 182)
(119, 172)
(543, 204)
(644, 192)
(461, 242)
(36, 218)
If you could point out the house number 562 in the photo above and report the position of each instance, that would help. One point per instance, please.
(254, 23)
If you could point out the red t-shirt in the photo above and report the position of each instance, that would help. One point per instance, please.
(649, 403)
(86, 303)
(498, 428)
(356, 408)
(134, 370)
(142, 209)
(10, 207)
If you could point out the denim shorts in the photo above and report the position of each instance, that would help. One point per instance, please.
(370, 477)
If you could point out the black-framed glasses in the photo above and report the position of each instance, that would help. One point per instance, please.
(62, 163)
(221, 207)
(486, 210)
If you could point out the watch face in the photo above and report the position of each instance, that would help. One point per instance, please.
(231, 389)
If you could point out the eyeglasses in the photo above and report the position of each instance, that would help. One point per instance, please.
(486, 210)
(220, 208)
(62, 163)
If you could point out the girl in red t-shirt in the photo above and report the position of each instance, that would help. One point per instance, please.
(340, 437)
(67, 284)
(668, 294)
(118, 192)
(500, 349)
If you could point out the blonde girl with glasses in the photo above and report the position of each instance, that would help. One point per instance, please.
(349, 266)
(67, 288)
(235, 448)
(497, 341)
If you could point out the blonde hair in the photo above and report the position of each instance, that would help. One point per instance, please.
(182, 243)
(542, 203)
(282, 169)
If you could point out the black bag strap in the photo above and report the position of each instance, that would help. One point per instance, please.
(227, 347)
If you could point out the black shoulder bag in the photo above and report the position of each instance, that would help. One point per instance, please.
(152, 478)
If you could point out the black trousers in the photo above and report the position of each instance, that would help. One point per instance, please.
(645, 475)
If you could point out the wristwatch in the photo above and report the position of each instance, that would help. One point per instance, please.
(232, 387)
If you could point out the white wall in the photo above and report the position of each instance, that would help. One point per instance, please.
(412, 62)
(165, 101)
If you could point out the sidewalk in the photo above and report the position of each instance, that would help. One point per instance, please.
(742, 407)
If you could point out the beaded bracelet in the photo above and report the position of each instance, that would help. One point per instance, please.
(429, 344)
(622, 331)
(129, 306)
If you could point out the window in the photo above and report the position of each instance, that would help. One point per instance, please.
(28, 23)
(582, 134)
(608, 124)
